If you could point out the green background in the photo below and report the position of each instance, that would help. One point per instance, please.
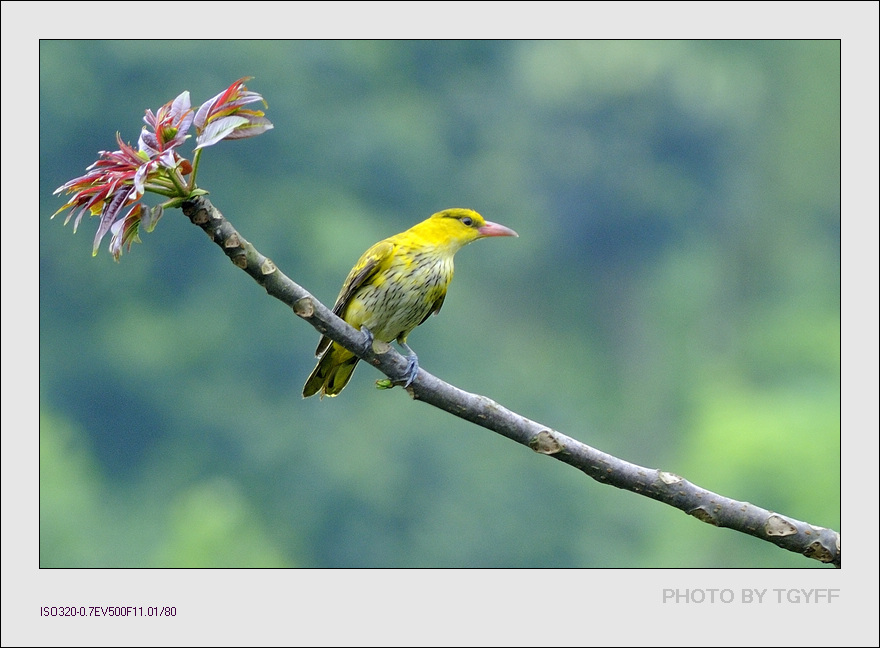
(673, 299)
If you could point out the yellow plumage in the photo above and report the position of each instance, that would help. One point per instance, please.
(394, 287)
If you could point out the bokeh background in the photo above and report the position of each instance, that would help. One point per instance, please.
(673, 299)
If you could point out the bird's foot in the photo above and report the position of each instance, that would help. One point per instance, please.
(412, 365)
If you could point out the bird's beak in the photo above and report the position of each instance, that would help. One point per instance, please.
(494, 229)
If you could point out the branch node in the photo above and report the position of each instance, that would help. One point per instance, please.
(704, 516)
(304, 307)
(200, 216)
(545, 442)
(267, 267)
(669, 478)
(778, 526)
(819, 552)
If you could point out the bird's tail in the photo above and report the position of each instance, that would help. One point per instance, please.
(332, 372)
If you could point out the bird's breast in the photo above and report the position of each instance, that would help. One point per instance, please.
(401, 295)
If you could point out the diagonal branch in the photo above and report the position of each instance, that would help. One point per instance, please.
(814, 542)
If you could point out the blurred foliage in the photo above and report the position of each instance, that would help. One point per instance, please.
(673, 298)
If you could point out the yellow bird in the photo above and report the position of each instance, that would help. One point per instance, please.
(394, 287)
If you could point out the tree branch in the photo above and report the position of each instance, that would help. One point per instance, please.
(813, 542)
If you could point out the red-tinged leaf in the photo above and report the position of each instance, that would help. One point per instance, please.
(125, 231)
(181, 106)
(82, 212)
(233, 90)
(170, 126)
(140, 179)
(109, 215)
(224, 104)
(218, 130)
(149, 143)
(202, 115)
(255, 126)
(169, 159)
(242, 100)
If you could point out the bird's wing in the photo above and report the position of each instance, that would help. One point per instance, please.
(362, 272)
(367, 266)
(435, 308)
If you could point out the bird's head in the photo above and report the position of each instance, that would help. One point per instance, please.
(454, 228)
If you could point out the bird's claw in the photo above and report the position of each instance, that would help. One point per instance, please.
(412, 366)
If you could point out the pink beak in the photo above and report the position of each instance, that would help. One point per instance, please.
(494, 229)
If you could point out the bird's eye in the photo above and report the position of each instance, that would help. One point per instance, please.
(467, 221)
